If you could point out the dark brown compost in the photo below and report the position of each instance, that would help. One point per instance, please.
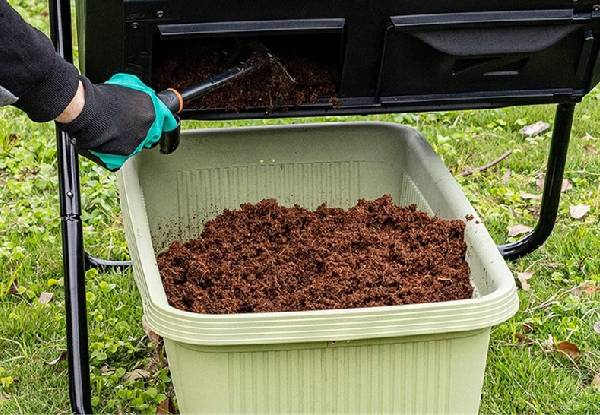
(266, 257)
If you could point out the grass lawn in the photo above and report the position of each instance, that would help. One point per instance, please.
(525, 374)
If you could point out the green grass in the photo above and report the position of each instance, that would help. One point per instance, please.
(521, 377)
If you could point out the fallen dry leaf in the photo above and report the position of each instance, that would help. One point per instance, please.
(523, 277)
(530, 196)
(578, 211)
(527, 327)
(539, 182)
(523, 339)
(106, 369)
(587, 137)
(62, 356)
(14, 288)
(152, 336)
(596, 381)
(586, 288)
(565, 186)
(45, 297)
(534, 129)
(506, 176)
(165, 407)
(155, 363)
(591, 149)
(569, 349)
(136, 374)
(519, 230)
(597, 327)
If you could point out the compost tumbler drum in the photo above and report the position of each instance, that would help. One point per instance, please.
(383, 56)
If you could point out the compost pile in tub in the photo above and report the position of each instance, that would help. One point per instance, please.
(266, 257)
(268, 88)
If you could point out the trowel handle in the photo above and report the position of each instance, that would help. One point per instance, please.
(172, 99)
(169, 141)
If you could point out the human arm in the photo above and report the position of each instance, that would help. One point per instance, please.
(107, 122)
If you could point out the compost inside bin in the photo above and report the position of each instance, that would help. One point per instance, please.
(266, 257)
(297, 76)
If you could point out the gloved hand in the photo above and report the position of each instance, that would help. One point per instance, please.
(119, 119)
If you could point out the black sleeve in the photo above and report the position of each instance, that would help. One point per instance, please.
(31, 72)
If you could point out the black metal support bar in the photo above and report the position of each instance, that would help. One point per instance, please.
(72, 235)
(105, 264)
(557, 158)
(76, 317)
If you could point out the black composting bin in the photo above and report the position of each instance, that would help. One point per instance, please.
(377, 56)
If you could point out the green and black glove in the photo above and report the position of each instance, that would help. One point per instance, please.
(119, 119)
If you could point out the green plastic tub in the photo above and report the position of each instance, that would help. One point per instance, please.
(422, 358)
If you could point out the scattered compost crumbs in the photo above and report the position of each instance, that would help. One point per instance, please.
(267, 257)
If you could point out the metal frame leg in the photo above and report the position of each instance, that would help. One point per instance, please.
(72, 235)
(561, 134)
(105, 264)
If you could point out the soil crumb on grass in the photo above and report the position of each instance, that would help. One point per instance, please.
(266, 257)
